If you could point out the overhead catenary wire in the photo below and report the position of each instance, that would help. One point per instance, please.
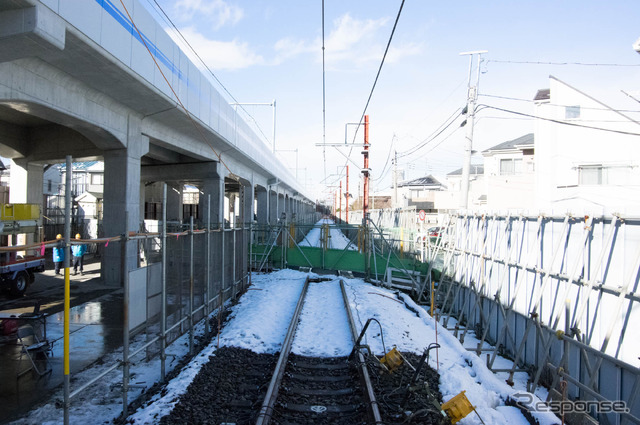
(324, 101)
(375, 82)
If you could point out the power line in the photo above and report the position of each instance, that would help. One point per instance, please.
(207, 68)
(562, 63)
(439, 143)
(382, 173)
(518, 99)
(384, 56)
(186, 111)
(448, 122)
(561, 122)
(364, 112)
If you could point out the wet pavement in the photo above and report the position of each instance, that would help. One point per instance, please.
(95, 327)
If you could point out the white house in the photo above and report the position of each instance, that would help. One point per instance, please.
(587, 154)
(450, 199)
(419, 192)
(509, 174)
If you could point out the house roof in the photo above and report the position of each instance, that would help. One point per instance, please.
(89, 197)
(593, 99)
(421, 181)
(526, 140)
(543, 94)
(475, 170)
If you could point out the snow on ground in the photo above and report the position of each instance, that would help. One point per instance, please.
(337, 239)
(260, 320)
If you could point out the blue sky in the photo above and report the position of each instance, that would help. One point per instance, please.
(265, 50)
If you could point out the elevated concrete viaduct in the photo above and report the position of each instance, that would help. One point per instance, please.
(94, 80)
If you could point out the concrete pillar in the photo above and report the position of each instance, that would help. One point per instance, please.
(26, 182)
(261, 210)
(246, 203)
(281, 206)
(174, 202)
(273, 207)
(215, 188)
(287, 207)
(121, 196)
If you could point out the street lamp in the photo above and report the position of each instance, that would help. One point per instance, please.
(636, 46)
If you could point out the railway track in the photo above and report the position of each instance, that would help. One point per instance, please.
(305, 390)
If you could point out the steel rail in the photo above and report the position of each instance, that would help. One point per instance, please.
(266, 410)
(362, 366)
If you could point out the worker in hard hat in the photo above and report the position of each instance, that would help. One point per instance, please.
(58, 255)
(78, 251)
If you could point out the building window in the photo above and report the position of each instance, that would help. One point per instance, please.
(97, 178)
(510, 166)
(592, 175)
(571, 112)
(49, 185)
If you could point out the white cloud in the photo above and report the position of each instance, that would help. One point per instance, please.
(398, 52)
(220, 54)
(218, 12)
(348, 33)
(350, 42)
(289, 47)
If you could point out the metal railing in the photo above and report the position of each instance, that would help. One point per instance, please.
(178, 279)
(558, 295)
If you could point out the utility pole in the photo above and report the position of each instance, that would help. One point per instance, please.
(365, 201)
(347, 195)
(365, 170)
(395, 179)
(472, 97)
(340, 215)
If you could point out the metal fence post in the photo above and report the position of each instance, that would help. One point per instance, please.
(250, 268)
(207, 293)
(163, 313)
(223, 264)
(125, 314)
(235, 280)
(191, 285)
(67, 287)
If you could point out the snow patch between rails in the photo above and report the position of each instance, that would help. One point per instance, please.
(337, 239)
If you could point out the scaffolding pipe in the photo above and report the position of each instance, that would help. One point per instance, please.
(191, 270)
(207, 293)
(163, 278)
(125, 314)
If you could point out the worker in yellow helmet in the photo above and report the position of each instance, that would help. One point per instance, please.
(58, 255)
(78, 253)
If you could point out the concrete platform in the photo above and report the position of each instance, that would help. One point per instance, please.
(95, 326)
